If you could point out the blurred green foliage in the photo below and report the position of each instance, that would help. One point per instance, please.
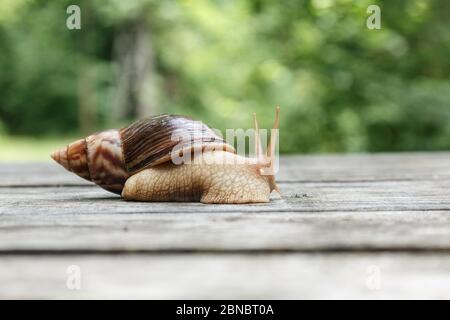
(341, 86)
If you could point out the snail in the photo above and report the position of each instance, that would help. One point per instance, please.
(138, 162)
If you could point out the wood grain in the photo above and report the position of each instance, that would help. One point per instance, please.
(225, 231)
(339, 216)
(314, 168)
(206, 276)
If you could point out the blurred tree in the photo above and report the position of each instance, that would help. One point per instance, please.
(134, 54)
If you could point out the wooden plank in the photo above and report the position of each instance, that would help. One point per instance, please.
(204, 276)
(225, 232)
(311, 216)
(297, 197)
(366, 167)
(329, 215)
(313, 168)
(38, 174)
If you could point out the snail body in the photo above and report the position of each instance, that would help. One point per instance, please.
(137, 162)
(216, 177)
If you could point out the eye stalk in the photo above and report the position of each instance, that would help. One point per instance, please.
(266, 162)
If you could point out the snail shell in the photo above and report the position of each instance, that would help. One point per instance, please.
(110, 157)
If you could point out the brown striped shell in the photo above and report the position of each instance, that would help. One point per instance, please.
(108, 158)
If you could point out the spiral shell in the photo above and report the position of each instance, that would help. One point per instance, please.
(110, 157)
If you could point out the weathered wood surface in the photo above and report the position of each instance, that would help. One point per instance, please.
(207, 276)
(307, 168)
(339, 215)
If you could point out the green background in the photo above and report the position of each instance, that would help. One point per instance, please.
(341, 86)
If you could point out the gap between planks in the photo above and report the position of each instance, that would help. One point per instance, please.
(310, 181)
(226, 252)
